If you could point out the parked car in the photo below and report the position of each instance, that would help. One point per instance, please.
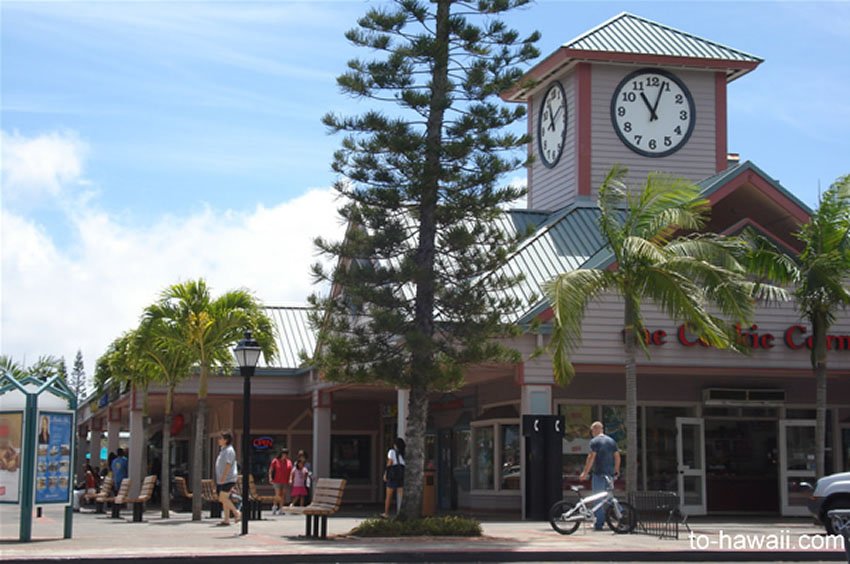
(830, 492)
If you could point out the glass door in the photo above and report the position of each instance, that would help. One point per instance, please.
(796, 464)
(690, 457)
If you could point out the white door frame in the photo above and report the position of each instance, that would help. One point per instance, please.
(686, 471)
(784, 473)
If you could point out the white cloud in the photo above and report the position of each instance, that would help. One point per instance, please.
(57, 298)
(35, 167)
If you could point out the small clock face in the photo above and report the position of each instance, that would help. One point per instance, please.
(653, 112)
(552, 125)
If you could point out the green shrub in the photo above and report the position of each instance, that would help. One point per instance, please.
(445, 526)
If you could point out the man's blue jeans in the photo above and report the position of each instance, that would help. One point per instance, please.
(599, 484)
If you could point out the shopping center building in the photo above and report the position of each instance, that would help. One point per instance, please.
(732, 433)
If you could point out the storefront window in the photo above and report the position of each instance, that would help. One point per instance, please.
(350, 458)
(577, 420)
(484, 457)
(510, 470)
(263, 450)
(463, 460)
(660, 449)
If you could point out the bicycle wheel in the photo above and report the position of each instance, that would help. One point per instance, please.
(564, 517)
(625, 522)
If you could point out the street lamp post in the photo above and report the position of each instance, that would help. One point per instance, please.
(247, 353)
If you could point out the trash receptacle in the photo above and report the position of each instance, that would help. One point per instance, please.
(429, 494)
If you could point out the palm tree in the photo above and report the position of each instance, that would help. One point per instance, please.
(206, 328)
(13, 367)
(682, 276)
(824, 270)
(171, 364)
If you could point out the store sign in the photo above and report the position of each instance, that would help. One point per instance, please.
(262, 443)
(795, 337)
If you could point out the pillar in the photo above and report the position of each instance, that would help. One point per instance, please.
(113, 429)
(321, 404)
(136, 448)
(403, 406)
(536, 400)
(82, 449)
(96, 430)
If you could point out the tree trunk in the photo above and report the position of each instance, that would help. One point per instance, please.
(417, 416)
(631, 399)
(198, 458)
(422, 350)
(165, 469)
(819, 353)
(200, 443)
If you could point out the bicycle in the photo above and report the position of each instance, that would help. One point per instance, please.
(566, 516)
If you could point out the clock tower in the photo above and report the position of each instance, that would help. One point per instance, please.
(630, 91)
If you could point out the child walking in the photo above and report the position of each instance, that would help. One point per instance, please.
(299, 477)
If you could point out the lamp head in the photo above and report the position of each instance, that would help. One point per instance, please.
(247, 352)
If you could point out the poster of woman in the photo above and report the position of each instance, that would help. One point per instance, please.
(53, 458)
(11, 425)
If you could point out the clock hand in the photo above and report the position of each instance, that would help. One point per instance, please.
(555, 115)
(658, 99)
(652, 115)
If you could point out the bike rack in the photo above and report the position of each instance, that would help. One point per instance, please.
(658, 513)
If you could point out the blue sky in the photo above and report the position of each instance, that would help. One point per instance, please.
(149, 142)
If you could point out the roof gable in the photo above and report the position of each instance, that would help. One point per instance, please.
(628, 33)
(745, 192)
(630, 39)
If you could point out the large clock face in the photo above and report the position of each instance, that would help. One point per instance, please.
(552, 125)
(653, 112)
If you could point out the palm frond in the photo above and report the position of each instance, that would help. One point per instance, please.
(569, 294)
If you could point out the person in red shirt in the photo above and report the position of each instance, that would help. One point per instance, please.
(279, 472)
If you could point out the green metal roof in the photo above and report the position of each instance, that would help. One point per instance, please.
(628, 33)
(564, 242)
(294, 335)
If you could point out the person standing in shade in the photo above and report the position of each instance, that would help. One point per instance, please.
(280, 471)
(225, 478)
(302, 455)
(119, 469)
(394, 474)
(298, 481)
(604, 459)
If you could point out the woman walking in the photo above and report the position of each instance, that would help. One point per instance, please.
(225, 476)
(280, 471)
(394, 474)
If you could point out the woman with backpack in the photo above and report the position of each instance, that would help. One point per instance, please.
(394, 474)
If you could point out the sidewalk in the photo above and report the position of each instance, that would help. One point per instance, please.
(98, 538)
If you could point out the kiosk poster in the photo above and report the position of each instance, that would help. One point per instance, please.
(53, 460)
(11, 439)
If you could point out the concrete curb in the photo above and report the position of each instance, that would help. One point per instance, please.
(463, 556)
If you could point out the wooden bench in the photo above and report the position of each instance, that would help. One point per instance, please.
(256, 495)
(327, 497)
(209, 495)
(148, 485)
(105, 494)
(120, 498)
(183, 493)
(89, 498)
